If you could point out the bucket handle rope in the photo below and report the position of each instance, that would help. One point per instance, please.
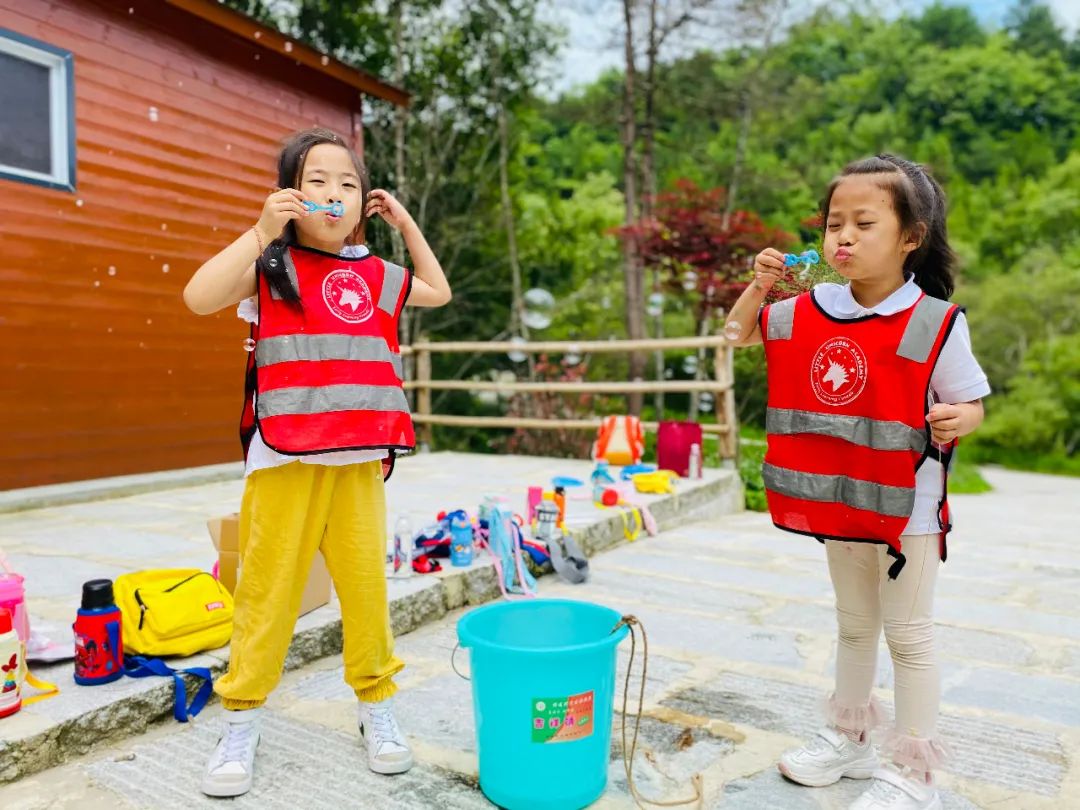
(634, 624)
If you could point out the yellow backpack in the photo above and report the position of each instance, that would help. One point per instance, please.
(177, 611)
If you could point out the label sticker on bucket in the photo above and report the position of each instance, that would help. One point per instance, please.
(562, 719)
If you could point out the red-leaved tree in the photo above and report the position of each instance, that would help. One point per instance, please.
(694, 254)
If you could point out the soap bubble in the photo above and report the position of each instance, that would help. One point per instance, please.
(164, 268)
(79, 203)
(326, 60)
(97, 282)
(149, 321)
(572, 356)
(153, 114)
(706, 402)
(689, 281)
(669, 373)
(605, 301)
(689, 364)
(733, 330)
(515, 354)
(112, 271)
(164, 227)
(655, 307)
(288, 47)
(249, 345)
(258, 35)
(539, 308)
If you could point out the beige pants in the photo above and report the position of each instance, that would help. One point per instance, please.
(868, 601)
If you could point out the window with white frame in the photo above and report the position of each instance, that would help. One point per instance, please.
(37, 112)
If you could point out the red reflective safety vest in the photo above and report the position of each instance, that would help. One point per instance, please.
(846, 420)
(327, 375)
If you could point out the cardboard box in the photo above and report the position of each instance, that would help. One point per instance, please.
(225, 533)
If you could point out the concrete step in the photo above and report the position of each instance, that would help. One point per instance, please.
(82, 719)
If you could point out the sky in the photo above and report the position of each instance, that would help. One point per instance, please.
(594, 29)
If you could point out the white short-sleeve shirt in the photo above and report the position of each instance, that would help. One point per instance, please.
(957, 377)
(261, 457)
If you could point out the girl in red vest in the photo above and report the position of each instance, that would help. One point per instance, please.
(324, 417)
(870, 385)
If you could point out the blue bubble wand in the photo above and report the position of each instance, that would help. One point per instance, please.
(336, 209)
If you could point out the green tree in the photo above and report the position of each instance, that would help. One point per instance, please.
(1034, 29)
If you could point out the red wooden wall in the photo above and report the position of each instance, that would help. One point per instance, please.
(104, 371)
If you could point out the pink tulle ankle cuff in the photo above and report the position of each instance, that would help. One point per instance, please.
(916, 753)
(855, 719)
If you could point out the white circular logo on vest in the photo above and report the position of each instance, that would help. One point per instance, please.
(347, 296)
(838, 373)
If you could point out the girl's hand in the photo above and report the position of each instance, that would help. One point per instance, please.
(384, 204)
(768, 268)
(944, 422)
(279, 208)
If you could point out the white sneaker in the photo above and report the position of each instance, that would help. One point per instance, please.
(828, 757)
(387, 749)
(232, 765)
(896, 789)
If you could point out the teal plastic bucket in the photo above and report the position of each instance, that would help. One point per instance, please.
(543, 683)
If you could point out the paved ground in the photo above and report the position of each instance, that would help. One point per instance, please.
(742, 637)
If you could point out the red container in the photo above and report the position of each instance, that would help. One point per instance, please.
(99, 645)
(673, 441)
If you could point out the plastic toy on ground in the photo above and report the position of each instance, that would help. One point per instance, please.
(567, 558)
(655, 483)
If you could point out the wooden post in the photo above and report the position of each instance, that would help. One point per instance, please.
(725, 372)
(423, 393)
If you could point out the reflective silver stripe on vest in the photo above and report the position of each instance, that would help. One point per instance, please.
(781, 319)
(393, 281)
(328, 398)
(290, 271)
(860, 430)
(880, 498)
(290, 348)
(923, 328)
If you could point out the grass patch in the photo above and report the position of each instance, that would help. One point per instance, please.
(965, 479)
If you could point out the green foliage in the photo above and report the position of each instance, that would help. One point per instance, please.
(965, 479)
(751, 455)
(995, 114)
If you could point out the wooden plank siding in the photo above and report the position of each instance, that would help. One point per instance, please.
(105, 372)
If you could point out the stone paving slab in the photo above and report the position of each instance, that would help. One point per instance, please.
(724, 712)
(58, 548)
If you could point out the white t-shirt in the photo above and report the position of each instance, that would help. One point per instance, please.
(261, 457)
(957, 377)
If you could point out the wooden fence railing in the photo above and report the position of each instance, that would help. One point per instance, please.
(722, 384)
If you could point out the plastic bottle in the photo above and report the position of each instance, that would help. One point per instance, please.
(11, 665)
(695, 461)
(461, 540)
(403, 548)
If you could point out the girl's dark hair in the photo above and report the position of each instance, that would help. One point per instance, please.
(919, 203)
(290, 171)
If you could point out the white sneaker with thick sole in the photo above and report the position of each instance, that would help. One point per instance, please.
(828, 757)
(387, 749)
(897, 789)
(232, 765)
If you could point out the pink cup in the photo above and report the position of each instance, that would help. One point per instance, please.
(13, 597)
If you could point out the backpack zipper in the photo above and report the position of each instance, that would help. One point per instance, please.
(188, 579)
(142, 608)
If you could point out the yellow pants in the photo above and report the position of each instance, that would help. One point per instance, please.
(287, 514)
